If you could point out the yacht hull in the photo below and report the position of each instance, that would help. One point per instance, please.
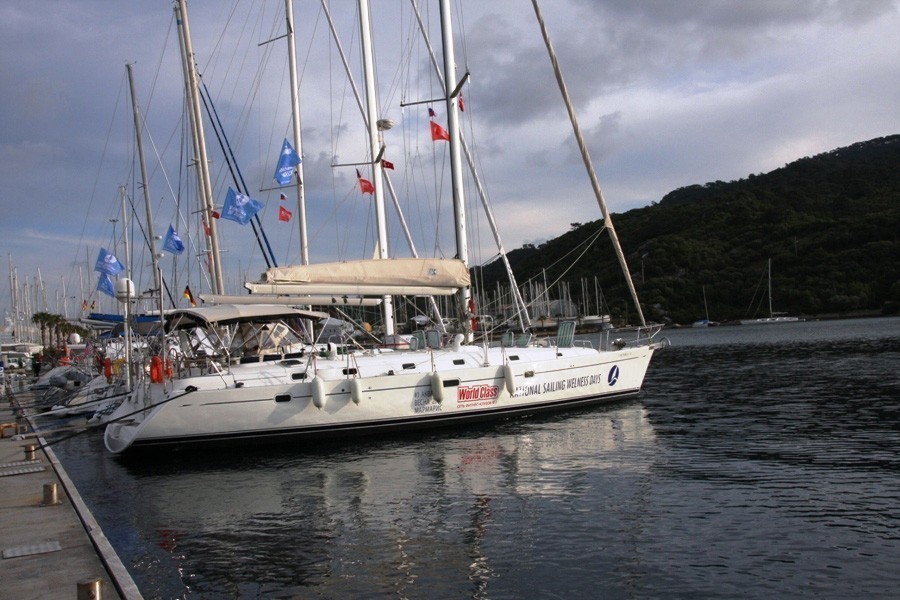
(281, 401)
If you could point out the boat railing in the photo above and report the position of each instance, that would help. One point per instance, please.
(641, 335)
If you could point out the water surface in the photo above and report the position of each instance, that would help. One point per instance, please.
(760, 461)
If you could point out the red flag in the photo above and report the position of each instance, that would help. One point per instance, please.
(215, 214)
(387, 164)
(462, 105)
(438, 133)
(284, 214)
(430, 112)
(365, 186)
(187, 294)
(283, 198)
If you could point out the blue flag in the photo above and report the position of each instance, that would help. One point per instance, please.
(105, 285)
(239, 207)
(286, 163)
(107, 263)
(173, 243)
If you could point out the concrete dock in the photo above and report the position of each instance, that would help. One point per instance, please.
(51, 545)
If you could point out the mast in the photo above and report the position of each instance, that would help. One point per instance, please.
(375, 151)
(771, 314)
(203, 179)
(585, 155)
(295, 111)
(151, 238)
(521, 309)
(459, 208)
(387, 180)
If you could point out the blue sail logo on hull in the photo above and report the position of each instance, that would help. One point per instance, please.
(613, 376)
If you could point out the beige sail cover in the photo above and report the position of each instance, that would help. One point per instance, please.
(400, 272)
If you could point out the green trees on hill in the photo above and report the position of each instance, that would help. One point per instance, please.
(829, 223)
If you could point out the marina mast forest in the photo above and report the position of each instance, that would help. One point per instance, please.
(829, 224)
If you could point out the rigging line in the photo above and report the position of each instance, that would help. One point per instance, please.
(587, 243)
(106, 144)
(587, 246)
(147, 245)
(168, 184)
(232, 167)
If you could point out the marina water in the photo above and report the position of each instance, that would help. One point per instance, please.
(760, 461)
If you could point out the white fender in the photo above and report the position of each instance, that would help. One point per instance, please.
(509, 377)
(318, 392)
(437, 387)
(356, 391)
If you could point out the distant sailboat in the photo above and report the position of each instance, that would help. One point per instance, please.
(771, 318)
(705, 322)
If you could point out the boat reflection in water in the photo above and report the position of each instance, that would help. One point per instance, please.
(438, 512)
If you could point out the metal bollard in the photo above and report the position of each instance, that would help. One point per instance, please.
(29, 451)
(50, 494)
(90, 589)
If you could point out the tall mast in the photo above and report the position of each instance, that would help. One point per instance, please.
(375, 151)
(516, 296)
(14, 300)
(125, 234)
(586, 157)
(295, 111)
(203, 179)
(459, 208)
(151, 238)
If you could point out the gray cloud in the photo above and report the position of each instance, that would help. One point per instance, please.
(668, 94)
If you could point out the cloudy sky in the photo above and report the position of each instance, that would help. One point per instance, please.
(668, 93)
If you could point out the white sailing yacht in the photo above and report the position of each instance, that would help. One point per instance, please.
(244, 372)
(771, 319)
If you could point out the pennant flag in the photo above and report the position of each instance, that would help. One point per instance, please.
(284, 214)
(365, 186)
(240, 208)
(387, 164)
(462, 104)
(107, 263)
(431, 112)
(187, 294)
(105, 285)
(173, 243)
(438, 133)
(286, 163)
(283, 198)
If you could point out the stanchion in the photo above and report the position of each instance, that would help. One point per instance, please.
(51, 496)
(90, 589)
(29, 451)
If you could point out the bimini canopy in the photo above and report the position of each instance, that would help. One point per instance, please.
(394, 276)
(234, 313)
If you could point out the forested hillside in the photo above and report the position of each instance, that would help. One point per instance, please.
(829, 223)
